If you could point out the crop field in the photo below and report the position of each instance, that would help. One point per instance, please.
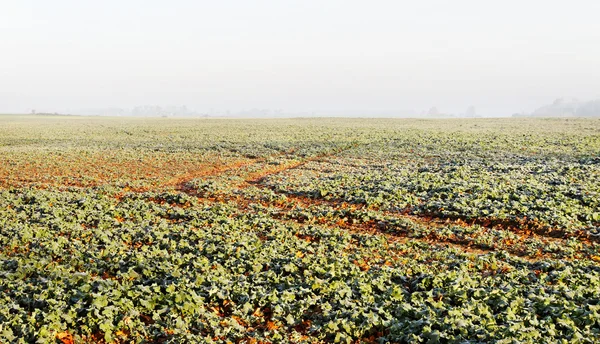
(131, 230)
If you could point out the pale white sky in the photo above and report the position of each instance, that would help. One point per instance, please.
(298, 55)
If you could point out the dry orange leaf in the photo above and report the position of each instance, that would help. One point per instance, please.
(65, 337)
(122, 333)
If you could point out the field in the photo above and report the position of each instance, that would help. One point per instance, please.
(299, 230)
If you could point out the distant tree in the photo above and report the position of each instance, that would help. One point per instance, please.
(591, 108)
(433, 112)
(470, 111)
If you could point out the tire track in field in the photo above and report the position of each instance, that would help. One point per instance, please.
(523, 227)
(256, 179)
(405, 233)
(516, 246)
(284, 212)
(182, 183)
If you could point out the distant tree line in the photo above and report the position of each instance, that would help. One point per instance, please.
(563, 108)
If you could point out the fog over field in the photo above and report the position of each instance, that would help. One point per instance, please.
(298, 58)
(299, 171)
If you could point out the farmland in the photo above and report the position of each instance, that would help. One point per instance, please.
(124, 230)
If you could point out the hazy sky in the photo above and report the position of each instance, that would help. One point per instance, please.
(302, 55)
